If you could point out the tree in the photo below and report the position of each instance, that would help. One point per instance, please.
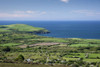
(75, 65)
(97, 64)
(87, 65)
(7, 49)
(28, 46)
(87, 55)
(20, 58)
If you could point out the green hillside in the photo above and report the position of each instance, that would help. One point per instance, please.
(22, 28)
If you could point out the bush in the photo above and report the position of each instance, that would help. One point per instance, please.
(6, 49)
(43, 61)
(20, 58)
(69, 63)
(97, 64)
(81, 59)
(75, 65)
(80, 62)
(28, 46)
(87, 65)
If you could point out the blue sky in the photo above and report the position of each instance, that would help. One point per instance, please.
(49, 9)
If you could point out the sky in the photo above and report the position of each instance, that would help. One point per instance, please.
(50, 10)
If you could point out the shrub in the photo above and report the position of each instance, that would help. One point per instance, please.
(28, 46)
(20, 58)
(43, 61)
(70, 62)
(75, 65)
(97, 64)
(6, 49)
(80, 62)
(87, 65)
(81, 59)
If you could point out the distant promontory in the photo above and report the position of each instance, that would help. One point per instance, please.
(22, 28)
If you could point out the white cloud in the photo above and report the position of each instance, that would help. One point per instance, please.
(65, 1)
(19, 12)
(31, 12)
(16, 14)
(42, 13)
(87, 12)
(13, 15)
(27, 12)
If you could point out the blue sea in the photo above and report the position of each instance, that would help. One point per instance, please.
(65, 29)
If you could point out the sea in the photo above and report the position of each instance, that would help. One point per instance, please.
(65, 29)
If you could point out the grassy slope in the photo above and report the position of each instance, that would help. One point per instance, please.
(21, 39)
(21, 28)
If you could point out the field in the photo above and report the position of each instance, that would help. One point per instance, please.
(21, 28)
(23, 47)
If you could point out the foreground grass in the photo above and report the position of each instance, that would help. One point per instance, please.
(28, 65)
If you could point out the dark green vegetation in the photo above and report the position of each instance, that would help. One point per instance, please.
(25, 47)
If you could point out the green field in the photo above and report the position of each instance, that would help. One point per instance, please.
(21, 28)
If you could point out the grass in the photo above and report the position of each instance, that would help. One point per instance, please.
(10, 44)
(28, 65)
(87, 60)
(32, 55)
(70, 58)
(92, 60)
(84, 45)
(20, 28)
(82, 55)
(54, 40)
(92, 57)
